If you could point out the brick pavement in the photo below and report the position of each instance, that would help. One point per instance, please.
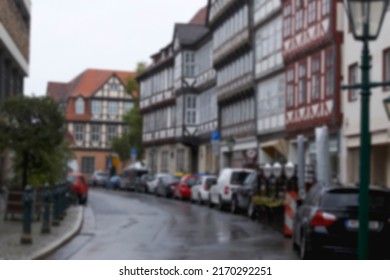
(43, 244)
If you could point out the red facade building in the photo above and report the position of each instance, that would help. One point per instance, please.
(312, 41)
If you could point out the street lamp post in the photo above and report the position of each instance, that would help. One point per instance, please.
(365, 18)
(230, 142)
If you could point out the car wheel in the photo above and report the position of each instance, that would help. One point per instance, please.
(304, 253)
(251, 212)
(234, 205)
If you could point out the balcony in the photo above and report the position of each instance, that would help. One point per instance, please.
(234, 44)
(158, 136)
(157, 100)
(239, 130)
(236, 86)
(218, 7)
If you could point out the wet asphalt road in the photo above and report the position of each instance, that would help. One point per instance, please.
(126, 225)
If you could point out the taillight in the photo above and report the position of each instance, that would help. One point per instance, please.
(322, 219)
(226, 190)
(205, 188)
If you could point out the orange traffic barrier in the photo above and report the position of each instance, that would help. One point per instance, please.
(290, 207)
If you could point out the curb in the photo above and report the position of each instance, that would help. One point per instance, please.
(54, 246)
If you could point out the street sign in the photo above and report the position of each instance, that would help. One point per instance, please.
(134, 152)
(215, 136)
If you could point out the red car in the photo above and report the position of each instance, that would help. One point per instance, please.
(78, 184)
(183, 189)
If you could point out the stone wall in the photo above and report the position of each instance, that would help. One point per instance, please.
(17, 28)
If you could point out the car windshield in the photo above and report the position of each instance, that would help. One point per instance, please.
(104, 174)
(211, 181)
(191, 182)
(341, 200)
(169, 179)
(249, 179)
(238, 178)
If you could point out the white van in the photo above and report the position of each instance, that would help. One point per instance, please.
(228, 181)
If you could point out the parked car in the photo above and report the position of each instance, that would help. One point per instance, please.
(113, 183)
(144, 181)
(166, 186)
(132, 177)
(200, 192)
(327, 221)
(152, 185)
(242, 197)
(99, 178)
(183, 188)
(79, 185)
(228, 182)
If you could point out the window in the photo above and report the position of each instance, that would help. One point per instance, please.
(353, 79)
(180, 160)
(189, 64)
(290, 87)
(164, 162)
(302, 84)
(287, 21)
(299, 19)
(96, 107)
(114, 87)
(127, 106)
(79, 130)
(79, 106)
(325, 7)
(191, 109)
(315, 78)
(95, 133)
(312, 14)
(329, 70)
(111, 132)
(87, 165)
(386, 72)
(113, 108)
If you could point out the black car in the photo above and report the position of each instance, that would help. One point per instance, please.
(242, 198)
(166, 186)
(327, 222)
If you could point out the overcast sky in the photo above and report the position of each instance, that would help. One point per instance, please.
(69, 36)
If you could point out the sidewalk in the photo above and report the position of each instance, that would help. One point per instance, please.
(43, 244)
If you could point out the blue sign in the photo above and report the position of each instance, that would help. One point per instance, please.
(134, 152)
(215, 136)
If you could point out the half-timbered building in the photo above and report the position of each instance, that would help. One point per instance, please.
(270, 81)
(158, 107)
(96, 102)
(312, 40)
(189, 100)
(231, 25)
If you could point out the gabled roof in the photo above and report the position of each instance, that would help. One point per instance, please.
(91, 80)
(188, 34)
(86, 84)
(57, 91)
(200, 17)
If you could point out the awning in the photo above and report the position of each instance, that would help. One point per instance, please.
(279, 145)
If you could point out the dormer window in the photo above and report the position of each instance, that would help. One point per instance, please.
(79, 106)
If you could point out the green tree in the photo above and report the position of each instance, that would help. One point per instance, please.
(133, 137)
(34, 129)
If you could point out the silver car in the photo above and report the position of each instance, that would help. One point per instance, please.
(200, 191)
(99, 178)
